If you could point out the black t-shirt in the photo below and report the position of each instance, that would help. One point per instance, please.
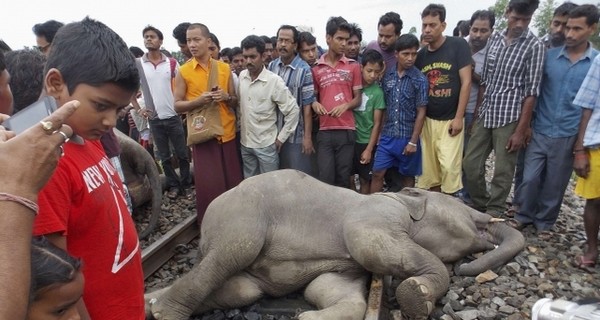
(441, 69)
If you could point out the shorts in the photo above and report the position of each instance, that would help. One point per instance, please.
(363, 170)
(589, 188)
(389, 154)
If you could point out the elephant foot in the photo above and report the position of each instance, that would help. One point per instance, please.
(415, 299)
(161, 310)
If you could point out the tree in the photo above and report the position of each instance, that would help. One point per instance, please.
(499, 9)
(413, 30)
(543, 17)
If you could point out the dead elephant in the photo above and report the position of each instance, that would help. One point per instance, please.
(282, 231)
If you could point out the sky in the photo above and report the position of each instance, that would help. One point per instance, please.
(230, 20)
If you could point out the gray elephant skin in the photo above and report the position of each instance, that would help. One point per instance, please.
(142, 179)
(282, 231)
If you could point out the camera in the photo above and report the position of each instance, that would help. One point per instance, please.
(546, 309)
(31, 115)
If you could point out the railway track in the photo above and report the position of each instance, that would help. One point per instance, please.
(161, 251)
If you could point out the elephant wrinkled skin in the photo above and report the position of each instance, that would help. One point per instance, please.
(281, 231)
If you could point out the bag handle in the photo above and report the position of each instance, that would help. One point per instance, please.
(213, 74)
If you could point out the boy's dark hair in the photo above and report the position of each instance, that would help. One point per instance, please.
(2, 61)
(274, 41)
(136, 51)
(151, 28)
(335, 24)
(234, 52)
(295, 32)
(435, 10)
(524, 7)
(179, 32)
(104, 54)
(47, 29)
(372, 56)
(355, 30)
(254, 41)
(265, 39)
(215, 40)
(225, 52)
(564, 9)
(393, 18)
(26, 68)
(4, 47)
(589, 11)
(306, 37)
(406, 41)
(50, 265)
(484, 15)
(463, 26)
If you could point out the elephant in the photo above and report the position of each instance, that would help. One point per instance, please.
(281, 231)
(142, 179)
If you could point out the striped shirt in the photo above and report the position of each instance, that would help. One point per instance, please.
(403, 95)
(511, 73)
(587, 98)
(298, 78)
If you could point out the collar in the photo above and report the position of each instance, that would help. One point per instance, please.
(294, 64)
(343, 59)
(145, 57)
(523, 35)
(262, 76)
(410, 72)
(587, 54)
(196, 63)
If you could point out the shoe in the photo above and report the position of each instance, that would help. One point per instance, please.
(516, 224)
(583, 263)
(173, 193)
(545, 235)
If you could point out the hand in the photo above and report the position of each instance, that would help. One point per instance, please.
(307, 146)
(204, 99)
(219, 95)
(278, 144)
(318, 108)
(28, 160)
(339, 110)
(365, 156)
(581, 164)
(409, 150)
(144, 112)
(516, 141)
(456, 127)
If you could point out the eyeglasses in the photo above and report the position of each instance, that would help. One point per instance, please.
(285, 41)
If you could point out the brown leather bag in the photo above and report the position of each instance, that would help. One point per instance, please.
(204, 123)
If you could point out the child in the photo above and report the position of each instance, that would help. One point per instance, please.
(368, 118)
(82, 207)
(406, 91)
(56, 282)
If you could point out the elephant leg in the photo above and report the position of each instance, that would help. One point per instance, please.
(383, 252)
(337, 296)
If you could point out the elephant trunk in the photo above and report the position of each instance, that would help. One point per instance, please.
(510, 241)
(155, 185)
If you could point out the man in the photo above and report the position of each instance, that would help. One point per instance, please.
(215, 47)
(217, 166)
(353, 46)
(269, 48)
(509, 85)
(263, 95)
(179, 35)
(388, 31)
(556, 31)
(297, 150)
(446, 62)
(44, 34)
(237, 60)
(338, 84)
(587, 163)
(83, 208)
(26, 68)
(165, 124)
(307, 47)
(549, 155)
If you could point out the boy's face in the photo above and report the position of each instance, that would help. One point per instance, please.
(99, 109)
(58, 302)
(406, 58)
(371, 72)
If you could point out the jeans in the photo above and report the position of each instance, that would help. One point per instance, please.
(171, 130)
(291, 157)
(335, 149)
(259, 160)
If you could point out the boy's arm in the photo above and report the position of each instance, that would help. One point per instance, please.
(377, 120)
(414, 138)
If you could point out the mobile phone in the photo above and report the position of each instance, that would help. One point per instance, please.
(31, 115)
(215, 88)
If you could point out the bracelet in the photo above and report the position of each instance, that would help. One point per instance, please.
(412, 144)
(20, 200)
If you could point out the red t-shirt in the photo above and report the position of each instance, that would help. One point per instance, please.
(84, 202)
(334, 87)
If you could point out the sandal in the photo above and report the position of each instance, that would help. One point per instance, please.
(583, 263)
(510, 213)
(516, 224)
(173, 193)
(545, 235)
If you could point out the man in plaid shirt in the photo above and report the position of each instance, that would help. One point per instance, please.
(510, 84)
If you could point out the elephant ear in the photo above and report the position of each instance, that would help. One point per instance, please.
(415, 201)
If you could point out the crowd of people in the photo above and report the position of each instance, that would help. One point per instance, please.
(397, 112)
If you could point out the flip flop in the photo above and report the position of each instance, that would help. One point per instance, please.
(516, 224)
(584, 264)
(510, 213)
(545, 235)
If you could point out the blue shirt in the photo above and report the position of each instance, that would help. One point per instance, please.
(555, 114)
(403, 95)
(298, 78)
(587, 98)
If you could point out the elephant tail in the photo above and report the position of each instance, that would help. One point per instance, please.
(510, 243)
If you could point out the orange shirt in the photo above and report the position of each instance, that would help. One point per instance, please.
(196, 80)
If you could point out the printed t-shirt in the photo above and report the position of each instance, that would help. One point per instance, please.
(372, 98)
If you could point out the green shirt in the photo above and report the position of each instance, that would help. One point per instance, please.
(372, 98)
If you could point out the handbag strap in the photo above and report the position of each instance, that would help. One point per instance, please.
(149, 102)
(213, 74)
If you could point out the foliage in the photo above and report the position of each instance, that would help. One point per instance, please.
(543, 16)
(499, 9)
(413, 30)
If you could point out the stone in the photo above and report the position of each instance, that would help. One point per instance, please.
(498, 301)
(468, 314)
(506, 309)
(513, 267)
(486, 276)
